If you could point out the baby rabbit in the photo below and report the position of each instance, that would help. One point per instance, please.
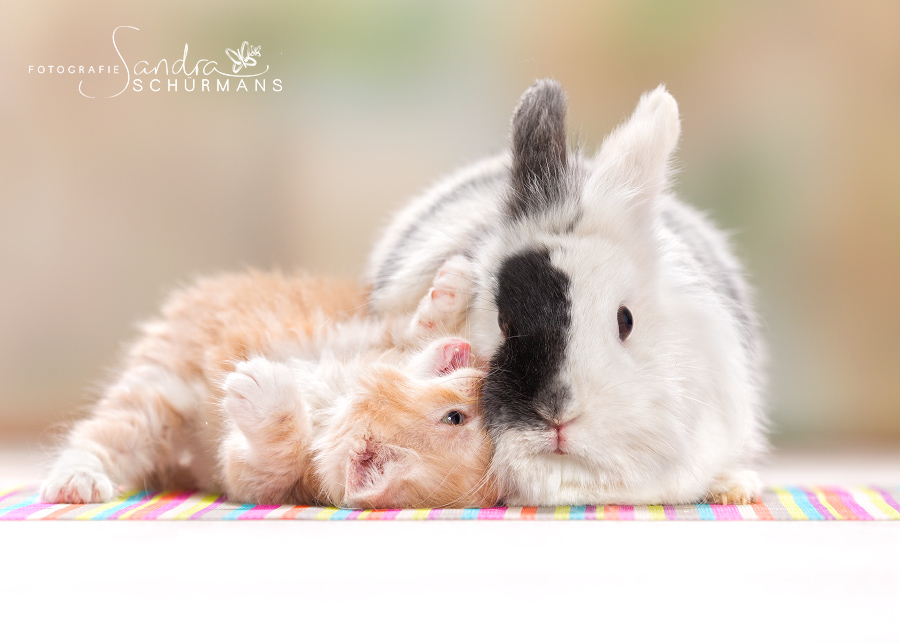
(625, 359)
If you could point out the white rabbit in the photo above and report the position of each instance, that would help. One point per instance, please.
(625, 358)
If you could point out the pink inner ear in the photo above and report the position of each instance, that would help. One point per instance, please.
(455, 355)
(365, 472)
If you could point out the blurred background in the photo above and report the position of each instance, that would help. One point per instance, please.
(791, 137)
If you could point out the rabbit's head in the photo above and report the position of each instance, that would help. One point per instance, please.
(604, 354)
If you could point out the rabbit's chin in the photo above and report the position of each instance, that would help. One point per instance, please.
(540, 476)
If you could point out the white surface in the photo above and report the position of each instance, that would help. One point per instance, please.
(452, 581)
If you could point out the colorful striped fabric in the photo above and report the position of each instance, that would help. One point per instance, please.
(778, 503)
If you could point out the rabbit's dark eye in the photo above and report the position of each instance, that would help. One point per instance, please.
(454, 418)
(626, 322)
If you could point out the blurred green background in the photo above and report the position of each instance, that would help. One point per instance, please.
(791, 137)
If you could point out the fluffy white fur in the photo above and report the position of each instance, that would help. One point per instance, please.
(672, 415)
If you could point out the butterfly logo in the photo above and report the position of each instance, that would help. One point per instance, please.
(243, 57)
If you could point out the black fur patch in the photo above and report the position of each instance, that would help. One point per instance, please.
(539, 154)
(522, 388)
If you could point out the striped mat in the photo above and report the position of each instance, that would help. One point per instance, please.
(778, 503)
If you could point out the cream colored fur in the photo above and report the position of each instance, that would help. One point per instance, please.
(281, 389)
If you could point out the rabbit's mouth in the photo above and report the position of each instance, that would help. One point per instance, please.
(559, 438)
(551, 438)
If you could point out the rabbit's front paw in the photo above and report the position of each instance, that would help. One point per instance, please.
(741, 487)
(78, 477)
(442, 310)
(259, 393)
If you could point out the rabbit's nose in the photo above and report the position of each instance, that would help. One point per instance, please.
(559, 427)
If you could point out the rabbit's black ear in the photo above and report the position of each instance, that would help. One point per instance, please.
(539, 155)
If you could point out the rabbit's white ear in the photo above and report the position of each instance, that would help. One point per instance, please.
(632, 167)
(539, 154)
